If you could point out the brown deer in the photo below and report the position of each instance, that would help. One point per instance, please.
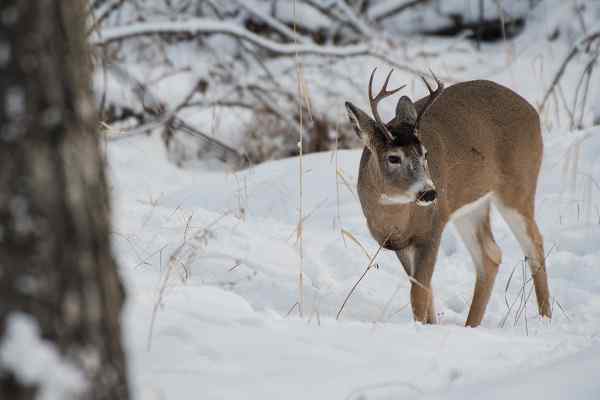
(447, 157)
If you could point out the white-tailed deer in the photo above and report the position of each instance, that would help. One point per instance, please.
(447, 157)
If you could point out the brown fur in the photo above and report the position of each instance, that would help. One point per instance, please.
(481, 138)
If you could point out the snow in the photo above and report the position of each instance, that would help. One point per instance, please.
(206, 25)
(215, 254)
(37, 362)
(575, 377)
(302, 14)
(211, 263)
(256, 10)
(332, 81)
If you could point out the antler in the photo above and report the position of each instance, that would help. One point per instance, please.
(383, 93)
(433, 96)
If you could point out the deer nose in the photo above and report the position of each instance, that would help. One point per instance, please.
(427, 196)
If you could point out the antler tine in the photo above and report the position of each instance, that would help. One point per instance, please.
(427, 84)
(433, 95)
(383, 93)
(437, 81)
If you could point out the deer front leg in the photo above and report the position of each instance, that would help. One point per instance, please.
(418, 260)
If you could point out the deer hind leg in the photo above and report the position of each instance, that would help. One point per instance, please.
(475, 230)
(526, 231)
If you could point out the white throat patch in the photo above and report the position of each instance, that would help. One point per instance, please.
(397, 199)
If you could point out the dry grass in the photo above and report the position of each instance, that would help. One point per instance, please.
(370, 266)
(350, 236)
(181, 257)
(300, 226)
(518, 306)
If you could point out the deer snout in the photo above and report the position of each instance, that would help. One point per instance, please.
(426, 197)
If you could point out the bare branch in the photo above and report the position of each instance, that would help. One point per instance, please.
(389, 8)
(577, 47)
(171, 120)
(104, 15)
(354, 19)
(211, 26)
(272, 22)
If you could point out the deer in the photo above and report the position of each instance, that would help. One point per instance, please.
(447, 158)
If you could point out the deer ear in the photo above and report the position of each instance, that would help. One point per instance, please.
(364, 126)
(406, 111)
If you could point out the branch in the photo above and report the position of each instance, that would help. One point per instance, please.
(328, 10)
(354, 20)
(579, 44)
(210, 26)
(272, 22)
(170, 119)
(390, 8)
(104, 15)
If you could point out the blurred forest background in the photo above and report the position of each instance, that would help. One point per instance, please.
(240, 80)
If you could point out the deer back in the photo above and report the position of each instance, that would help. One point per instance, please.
(481, 138)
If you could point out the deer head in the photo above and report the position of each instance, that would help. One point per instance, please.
(395, 147)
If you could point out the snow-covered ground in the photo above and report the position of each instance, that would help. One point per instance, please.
(211, 261)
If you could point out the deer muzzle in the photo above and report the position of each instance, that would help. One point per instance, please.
(426, 197)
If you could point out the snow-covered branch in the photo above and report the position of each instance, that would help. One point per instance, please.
(579, 45)
(210, 26)
(272, 22)
(390, 8)
(354, 20)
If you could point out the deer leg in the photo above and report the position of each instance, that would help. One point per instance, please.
(475, 230)
(431, 315)
(418, 261)
(528, 235)
(421, 300)
(537, 265)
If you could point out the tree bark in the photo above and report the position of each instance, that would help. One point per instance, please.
(56, 264)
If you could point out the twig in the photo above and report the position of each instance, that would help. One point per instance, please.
(584, 41)
(210, 26)
(290, 310)
(104, 15)
(521, 294)
(272, 22)
(382, 10)
(369, 266)
(339, 174)
(174, 261)
(226, 153)
(161, 290)
(145, 260)
(237, 264)
(350, 236)
(354, 20)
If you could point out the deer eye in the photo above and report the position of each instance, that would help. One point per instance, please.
(394, 159)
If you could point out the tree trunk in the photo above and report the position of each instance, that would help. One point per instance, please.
(59, 287)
